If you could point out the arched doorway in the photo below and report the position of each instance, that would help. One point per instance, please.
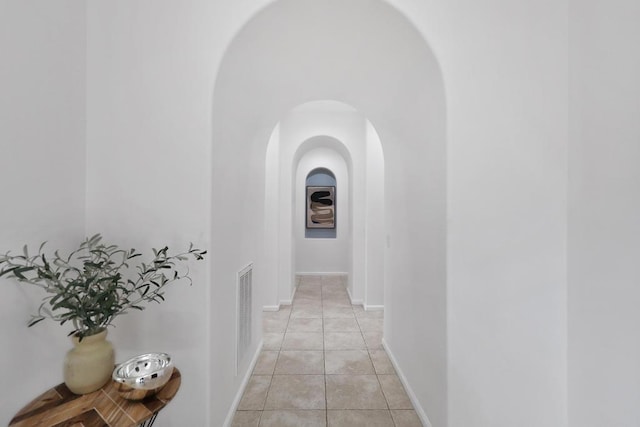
(367, 55)
(334, 135)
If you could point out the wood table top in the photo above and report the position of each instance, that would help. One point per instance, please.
(59, 407)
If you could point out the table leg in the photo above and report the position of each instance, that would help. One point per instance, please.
(150, 421)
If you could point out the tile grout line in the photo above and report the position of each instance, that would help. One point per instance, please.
(375, 371)
(274, 367)
(326, 291)
(324, 358)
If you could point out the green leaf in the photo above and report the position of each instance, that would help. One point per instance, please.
(9, 270)
(35, 321)
(63, 304)
(17, 272)
(55, 299)
(90, 287)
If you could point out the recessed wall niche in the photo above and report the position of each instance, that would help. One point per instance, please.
(320, 205)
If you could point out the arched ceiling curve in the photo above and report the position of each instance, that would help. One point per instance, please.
(323, 141)
(360, 52)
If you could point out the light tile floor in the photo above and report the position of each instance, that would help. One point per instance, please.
(322, 364)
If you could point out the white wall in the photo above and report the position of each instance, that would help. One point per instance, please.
(320, 255)
(506, 76)
(484, 341)
(604, 214)
(272, 213)
(42, 168)
(374, 221)
(148, 180)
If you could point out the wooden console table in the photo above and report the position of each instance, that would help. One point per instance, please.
(59, 407)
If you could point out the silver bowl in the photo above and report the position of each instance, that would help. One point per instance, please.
(142, 376)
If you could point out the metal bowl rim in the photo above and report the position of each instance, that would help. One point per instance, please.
(150, 356)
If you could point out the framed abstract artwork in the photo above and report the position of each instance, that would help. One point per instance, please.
(321, 207)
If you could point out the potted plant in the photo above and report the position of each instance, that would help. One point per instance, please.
(88, 289)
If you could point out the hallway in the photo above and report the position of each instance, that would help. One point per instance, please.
(322, 364)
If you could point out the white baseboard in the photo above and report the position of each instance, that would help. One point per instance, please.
(412, 396)
(373, 307)
(324, 273)
(245, 381)
(354, 301)
(271, 308)
(289, 301)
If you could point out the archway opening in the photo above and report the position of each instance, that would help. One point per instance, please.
(374, 60)
(333, 136)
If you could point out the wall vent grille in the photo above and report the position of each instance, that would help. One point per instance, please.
(243, 309)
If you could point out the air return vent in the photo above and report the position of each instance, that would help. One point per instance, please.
(243, 310)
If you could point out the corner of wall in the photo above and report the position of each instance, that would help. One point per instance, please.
(422, 414)
(236, 400)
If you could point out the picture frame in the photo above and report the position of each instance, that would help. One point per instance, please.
(321, 207)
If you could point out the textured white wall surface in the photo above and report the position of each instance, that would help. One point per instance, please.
(604, 214)
(507, 154)
(510, 140)
(42, 170)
